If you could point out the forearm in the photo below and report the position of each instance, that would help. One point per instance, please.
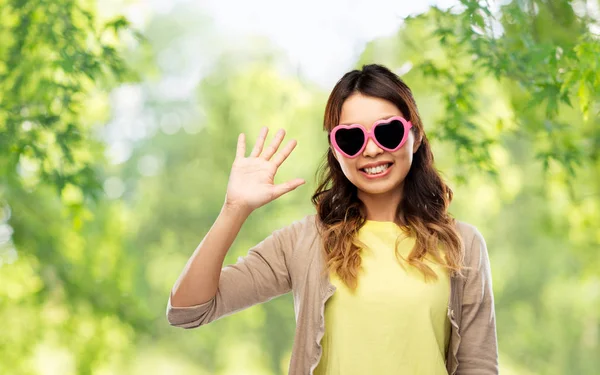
(199, 280)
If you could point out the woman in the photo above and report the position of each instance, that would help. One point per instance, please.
(384, 280)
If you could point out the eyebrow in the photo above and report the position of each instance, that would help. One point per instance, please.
(381, 118)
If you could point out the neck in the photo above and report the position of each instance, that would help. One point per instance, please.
(381, 207)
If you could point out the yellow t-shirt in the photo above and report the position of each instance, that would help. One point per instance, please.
(395, 322)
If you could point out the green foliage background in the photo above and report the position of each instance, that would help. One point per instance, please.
(109, 179)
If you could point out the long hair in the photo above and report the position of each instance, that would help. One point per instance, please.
(425, 197)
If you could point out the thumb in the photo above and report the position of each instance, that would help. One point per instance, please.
(286, 187)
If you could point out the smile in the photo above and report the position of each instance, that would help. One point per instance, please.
(376, 172)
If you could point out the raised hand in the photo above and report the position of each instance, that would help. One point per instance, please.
(251, 182)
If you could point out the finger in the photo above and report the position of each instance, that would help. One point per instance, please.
(260, 141)
(269, 151)
(286, 187)
(283, 154)
(241, 146)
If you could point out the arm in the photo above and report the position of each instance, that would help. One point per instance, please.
(198, 282)
(204, 292)
(478, 351)
(258, 277)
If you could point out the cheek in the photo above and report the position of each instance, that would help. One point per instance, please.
(405, 154)
(404, 158)
(348, 166)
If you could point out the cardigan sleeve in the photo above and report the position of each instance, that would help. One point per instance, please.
(257, 277)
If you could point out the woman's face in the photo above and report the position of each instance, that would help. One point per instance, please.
(366, 110)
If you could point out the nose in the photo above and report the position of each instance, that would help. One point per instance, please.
(372, 149)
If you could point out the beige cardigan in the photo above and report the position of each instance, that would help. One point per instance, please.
(291, 259)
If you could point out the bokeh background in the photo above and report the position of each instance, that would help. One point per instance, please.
(118, 125)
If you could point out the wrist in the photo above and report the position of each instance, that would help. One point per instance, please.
(236, 211)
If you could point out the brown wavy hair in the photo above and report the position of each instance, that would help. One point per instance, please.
(423, 210)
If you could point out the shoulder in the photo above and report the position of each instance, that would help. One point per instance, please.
(473, 242)
(306, 224)
(299, 240)
(468, 232)
(302, 229)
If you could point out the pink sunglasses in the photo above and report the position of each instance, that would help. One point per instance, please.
(389, 134)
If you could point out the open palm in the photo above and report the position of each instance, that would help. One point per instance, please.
(251, 182)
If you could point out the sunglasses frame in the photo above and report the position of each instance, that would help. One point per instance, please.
(370, 134)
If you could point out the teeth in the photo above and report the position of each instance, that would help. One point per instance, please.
(377, 169)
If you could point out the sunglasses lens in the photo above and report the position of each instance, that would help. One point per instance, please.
(390, 134)
(350, 140)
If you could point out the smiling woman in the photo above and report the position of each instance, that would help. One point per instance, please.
(381, 202)
(384, 280)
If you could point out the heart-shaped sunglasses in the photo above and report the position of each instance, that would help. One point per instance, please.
(389, 134)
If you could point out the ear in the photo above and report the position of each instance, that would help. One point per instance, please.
(417, 143)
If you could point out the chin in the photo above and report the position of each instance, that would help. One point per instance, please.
(376, 189)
